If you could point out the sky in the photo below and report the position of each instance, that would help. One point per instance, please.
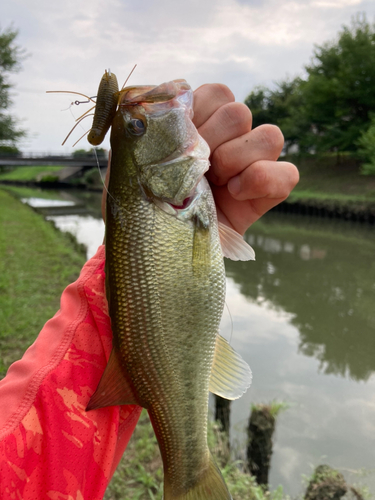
(241, 43)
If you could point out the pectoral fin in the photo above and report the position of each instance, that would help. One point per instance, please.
(201, 251)
(114, 388)
(233, 245)
(230, 375)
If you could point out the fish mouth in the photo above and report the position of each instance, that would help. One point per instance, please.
(191, 198)
(184, 205)
(187, 209)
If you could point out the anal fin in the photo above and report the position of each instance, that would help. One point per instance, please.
(113, 389)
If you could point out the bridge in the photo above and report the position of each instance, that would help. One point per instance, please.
(35, 159)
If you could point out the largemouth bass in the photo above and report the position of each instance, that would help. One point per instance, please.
(165, 283)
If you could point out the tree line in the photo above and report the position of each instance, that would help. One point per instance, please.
(11, 56)
(332, 108)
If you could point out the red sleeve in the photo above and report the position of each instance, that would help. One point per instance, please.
(50, 447)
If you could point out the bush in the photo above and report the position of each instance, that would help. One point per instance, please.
(9, 151)
(49, 178)
(79, 153)
(366, 149)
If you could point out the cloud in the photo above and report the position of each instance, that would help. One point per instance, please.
(241, 43)
(336, 4)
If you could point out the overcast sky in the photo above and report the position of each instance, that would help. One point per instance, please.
(242, 43)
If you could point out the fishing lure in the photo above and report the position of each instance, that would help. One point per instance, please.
(105, 110)
(105, 107)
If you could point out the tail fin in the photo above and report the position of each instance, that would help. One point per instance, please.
(211, 486)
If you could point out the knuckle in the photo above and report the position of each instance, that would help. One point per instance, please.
(220, 161)
(237, 115)
(259, 177)
(221, 92)
(271, 137)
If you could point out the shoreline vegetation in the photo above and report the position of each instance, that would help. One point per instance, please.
(36, 263)
(331, 185)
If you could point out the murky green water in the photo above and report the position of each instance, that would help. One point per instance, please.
(304, 318)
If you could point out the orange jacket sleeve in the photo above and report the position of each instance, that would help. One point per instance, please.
(50, 447)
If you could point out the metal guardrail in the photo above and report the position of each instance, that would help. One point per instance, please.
(50, 154)
(37, 158)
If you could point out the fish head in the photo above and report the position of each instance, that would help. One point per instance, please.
(168, 155)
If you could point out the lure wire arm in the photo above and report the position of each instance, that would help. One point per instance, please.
(78, 122)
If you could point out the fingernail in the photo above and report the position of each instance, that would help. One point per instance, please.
(234, 185)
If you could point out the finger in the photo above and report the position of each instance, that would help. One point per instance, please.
(237, 214)
(231, 158)
(228, 122)
(264, 179)
(207, 99)
(263, 187)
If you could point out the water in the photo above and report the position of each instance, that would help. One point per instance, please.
(77, 212)
(304, 319)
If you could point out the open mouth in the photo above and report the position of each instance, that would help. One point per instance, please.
(185, 203)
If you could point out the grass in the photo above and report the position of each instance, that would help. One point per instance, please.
(139, 475)
(28, 174)
(36, 263)
(274, 408)
(327, 178)
(33, 192)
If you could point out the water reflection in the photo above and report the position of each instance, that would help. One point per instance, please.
(76, 212)
(42, 202)
(326, 282)
(87, 230)
(303, 318)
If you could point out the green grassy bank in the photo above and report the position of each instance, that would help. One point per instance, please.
(329, 178)
(36, 263)
(326, 180)
(29, 174)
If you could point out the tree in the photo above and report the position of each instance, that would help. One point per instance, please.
(10, 58)
(330, 109)
(340, 89)
(366, 145)
(279, 106)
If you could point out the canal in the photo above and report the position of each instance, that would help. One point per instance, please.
(303, 317)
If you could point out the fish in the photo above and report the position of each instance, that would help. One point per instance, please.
(165, 282)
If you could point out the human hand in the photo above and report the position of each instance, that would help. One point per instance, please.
(246, 180)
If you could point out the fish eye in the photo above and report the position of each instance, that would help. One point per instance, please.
(136, 126)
